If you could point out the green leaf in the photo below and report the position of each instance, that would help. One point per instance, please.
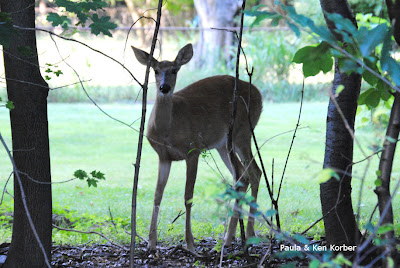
(294, 28)
(102, 25)
(10, 105)
(314, 264)
(378, 173)
(369, 227)
(369, 77)
(301, 239)
(343, 25)
(378, 182)
(370, 97)
(58, 73)
(339, 89)
(326, 174)
(385, 228)
(314, 59)
(388, 64)
(305, 22)
(98, 175)
(349, 66)
(384, 89)
(368, 40)
(92, 182)
(56, 20)
(260, 15)
(80, 174)
(342, 260)
(270, 213)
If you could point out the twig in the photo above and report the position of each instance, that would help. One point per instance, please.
(92, 232)
(83, 44)
(140, 141)
(5, 188)
(268, 253)
(291, 143)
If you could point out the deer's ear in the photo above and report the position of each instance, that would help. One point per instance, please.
(142, 57)
(184, 55)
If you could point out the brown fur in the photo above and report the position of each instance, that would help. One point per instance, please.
(184, 123)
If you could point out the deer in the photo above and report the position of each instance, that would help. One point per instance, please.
(184, 123)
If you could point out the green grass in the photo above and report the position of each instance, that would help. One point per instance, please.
(81, 137)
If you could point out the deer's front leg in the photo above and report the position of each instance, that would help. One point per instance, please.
(191, 173)
(163, 172)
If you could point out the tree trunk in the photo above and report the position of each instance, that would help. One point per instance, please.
(340, 224)
(135, 15)
(389, 146)
(30, 141)
(214, 45)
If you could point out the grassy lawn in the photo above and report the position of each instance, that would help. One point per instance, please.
(81, 137)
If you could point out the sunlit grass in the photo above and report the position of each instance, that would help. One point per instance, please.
(81, 137)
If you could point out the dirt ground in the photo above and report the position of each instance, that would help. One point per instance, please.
(167, 256)
(170, 256)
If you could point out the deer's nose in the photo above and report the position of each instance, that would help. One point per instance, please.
(165, 88)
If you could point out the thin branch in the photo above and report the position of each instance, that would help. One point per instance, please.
(140, 141)
(291, 143)
(92, 232)
(83, 44)
(5, 188)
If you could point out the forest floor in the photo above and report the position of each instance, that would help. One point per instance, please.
(169, 256)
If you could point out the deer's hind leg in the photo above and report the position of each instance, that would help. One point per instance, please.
(253, 173)
(191, 173)
(242, 187)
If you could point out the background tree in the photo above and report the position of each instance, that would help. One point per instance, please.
(215, 45)
(30, 140)
(335, 195)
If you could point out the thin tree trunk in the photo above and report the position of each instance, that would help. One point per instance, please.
(389, 146)
(135, 15)
(340, 225)
(30, 141)
(385, 167)
(214, 45)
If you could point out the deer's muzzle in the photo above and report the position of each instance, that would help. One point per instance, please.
(165, 88)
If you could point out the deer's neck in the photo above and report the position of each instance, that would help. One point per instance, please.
(162, 115)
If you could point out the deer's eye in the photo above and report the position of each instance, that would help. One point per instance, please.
(174, 71)
(156, 72)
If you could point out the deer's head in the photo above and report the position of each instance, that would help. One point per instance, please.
(166, 71)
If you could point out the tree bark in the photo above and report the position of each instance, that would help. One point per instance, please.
(214, 45)
(389, 146)
(30, 141)
(340, 224)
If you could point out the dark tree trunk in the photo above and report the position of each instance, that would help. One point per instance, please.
(30, 141)
(389, 147)
(215, 45)
(340, 224)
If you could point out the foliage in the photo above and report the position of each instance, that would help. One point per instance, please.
(92, 180)
(84, 11)
(9, 104)
(359, 55)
